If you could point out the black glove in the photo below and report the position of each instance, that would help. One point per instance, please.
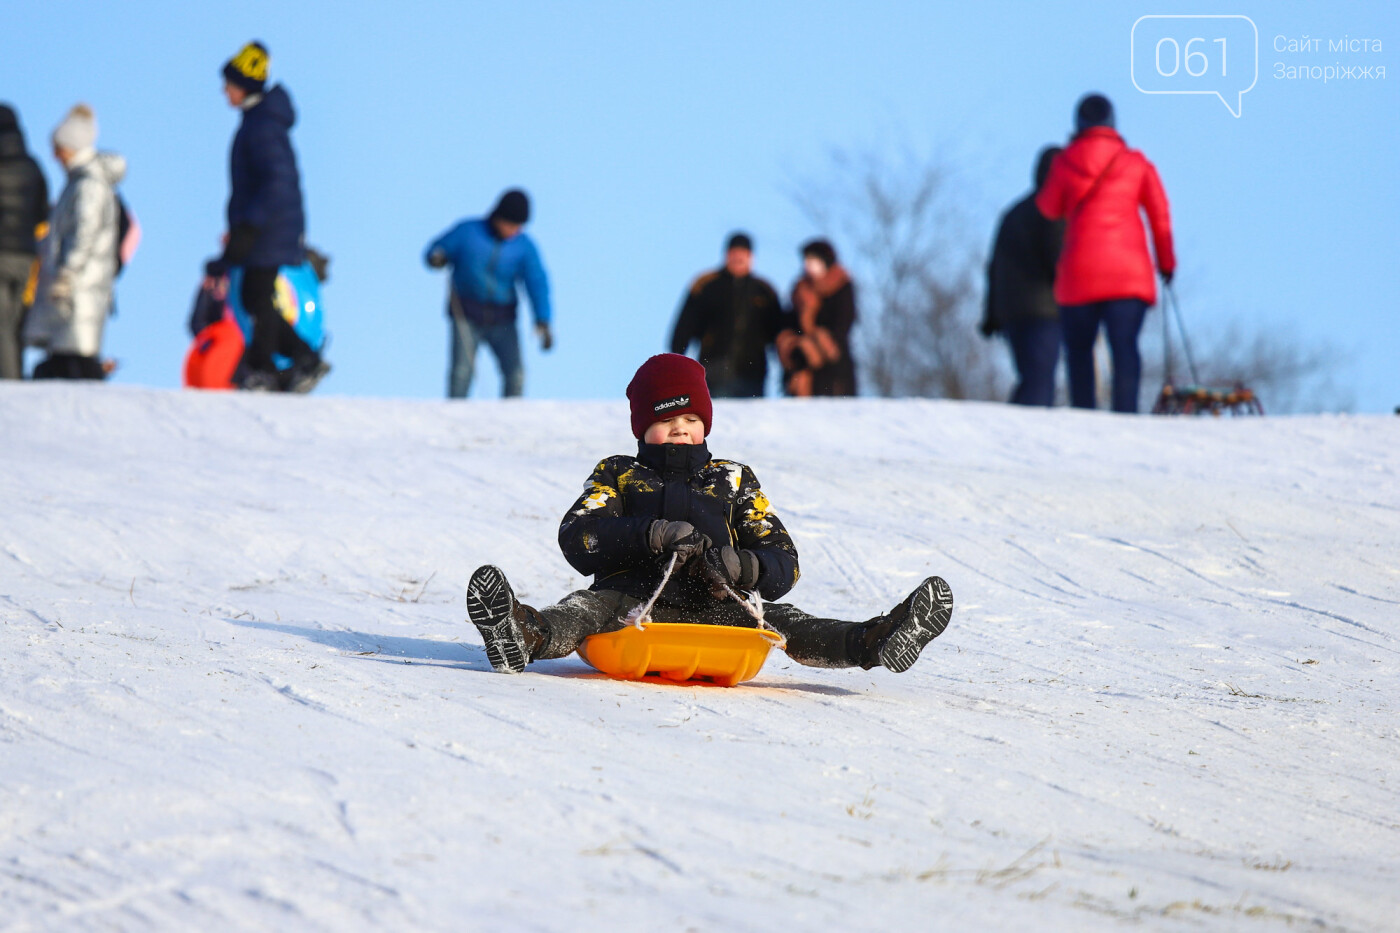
(679, 538)
(1167, 276)
(61, 289)
(730, 566)
(437, 259)
(546, 337)
(241, 240)
(320, 264)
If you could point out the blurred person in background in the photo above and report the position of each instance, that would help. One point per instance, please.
(734, 315)
(1105, 274)
(79, 257)
(489, 256)
(1020, 299)
(266, 223)
(24, 206)
(815, 346)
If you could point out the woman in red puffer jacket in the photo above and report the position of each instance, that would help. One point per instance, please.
(1105, 273)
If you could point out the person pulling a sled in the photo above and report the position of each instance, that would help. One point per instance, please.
(1104, 276)
(674, 500)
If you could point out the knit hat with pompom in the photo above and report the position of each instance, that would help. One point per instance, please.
(78, 131)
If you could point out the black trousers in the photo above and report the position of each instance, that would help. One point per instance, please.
(69, 366)
(811, 640)
(14, 275)
(1035, 348)
(271, 332)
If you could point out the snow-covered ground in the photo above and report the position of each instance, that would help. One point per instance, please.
(237, 690)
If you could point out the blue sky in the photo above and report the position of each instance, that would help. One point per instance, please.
(646, 132)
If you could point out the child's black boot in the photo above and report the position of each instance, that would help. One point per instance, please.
(512, 632)
(894, 640)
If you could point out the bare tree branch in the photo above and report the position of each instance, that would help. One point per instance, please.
(906, 239)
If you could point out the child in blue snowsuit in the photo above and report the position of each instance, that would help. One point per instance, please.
(673, 498)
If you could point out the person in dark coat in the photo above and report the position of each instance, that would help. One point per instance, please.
(673, 501)
(815, 346)
(266, 223)
(1020, 299)
(1105, 274)
(24, 205)
(734, 315)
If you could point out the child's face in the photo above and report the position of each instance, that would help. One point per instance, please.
(682, 429)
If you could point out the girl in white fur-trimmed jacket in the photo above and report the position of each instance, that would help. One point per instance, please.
(78, 261)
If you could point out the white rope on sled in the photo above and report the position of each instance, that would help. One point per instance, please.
(752, 603)
(641, 615)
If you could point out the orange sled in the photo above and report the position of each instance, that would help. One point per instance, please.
(721, 654)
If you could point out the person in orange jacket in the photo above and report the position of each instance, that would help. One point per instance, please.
(1105, 274)
(815, 346)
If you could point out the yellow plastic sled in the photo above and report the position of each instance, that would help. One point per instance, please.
(721, 654)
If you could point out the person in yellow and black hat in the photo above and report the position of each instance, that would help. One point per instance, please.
(266, 222)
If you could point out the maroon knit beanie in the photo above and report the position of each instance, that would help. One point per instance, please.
(667, 385)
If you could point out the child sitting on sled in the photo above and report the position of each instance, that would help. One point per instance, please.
(673, 500)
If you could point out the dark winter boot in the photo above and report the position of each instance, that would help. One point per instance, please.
(307, 374)
(895, 640)
(513, 633)
(259, 381)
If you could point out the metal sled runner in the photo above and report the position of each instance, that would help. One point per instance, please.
(1197, 400)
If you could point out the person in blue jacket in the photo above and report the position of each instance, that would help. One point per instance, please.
(266, 223)
(489, 256)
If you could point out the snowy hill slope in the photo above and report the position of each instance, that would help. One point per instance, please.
(237, 689)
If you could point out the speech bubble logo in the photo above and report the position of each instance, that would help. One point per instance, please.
(1207, 54)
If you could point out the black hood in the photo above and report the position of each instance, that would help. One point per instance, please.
(276, 105)
(11, 137)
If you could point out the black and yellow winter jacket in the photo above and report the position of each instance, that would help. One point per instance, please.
(604, 533)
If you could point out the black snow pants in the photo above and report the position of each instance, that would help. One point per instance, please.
(271, 332)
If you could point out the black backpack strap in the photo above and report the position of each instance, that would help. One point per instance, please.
(123, 227)
(1095, 186)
